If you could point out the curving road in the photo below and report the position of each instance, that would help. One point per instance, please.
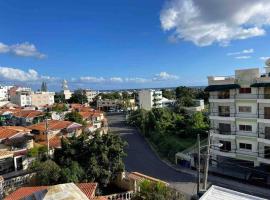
(141, 158)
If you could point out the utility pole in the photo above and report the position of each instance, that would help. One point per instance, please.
(207, 162)
(198, 164)
(47, 134)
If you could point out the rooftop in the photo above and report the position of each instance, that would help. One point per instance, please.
(220, 193)
(52, 125)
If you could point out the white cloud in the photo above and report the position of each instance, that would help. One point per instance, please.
(25, 49)
(209, 21)
(14, 74)
(245, 51)
(264, 58)
(242, 57)
(164, 76)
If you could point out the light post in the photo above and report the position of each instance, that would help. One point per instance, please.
(206, 160)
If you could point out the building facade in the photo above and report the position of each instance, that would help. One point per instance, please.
(4, 93)
(240, 116)
(149, 99)
(42, 98)
(22, 98)
(91, 94)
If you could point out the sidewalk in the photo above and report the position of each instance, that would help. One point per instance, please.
(224, 182)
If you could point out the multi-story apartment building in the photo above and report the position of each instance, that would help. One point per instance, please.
(22, 98)
(4, 93)
(149, 99)
(42, 98)
(91, 94)
(240, 116)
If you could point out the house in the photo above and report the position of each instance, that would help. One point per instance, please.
(216, 192)
(22, 97)
(55, 128)
(15, 138)
(240, 117)
(93, 117)
(40, 99)
(26, 117)
(72, 191)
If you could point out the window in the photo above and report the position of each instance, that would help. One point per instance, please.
(245, 90)
(224, 94)
(245, 127)
(245, 146)
(266, 112)
(226, 146)
(267, 132)
(224, 128)
(266, 151)
(246, 109)
(224, 111)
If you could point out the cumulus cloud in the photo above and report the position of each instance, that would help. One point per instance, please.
(14, 74)
(264, 58)
(25, 49)
(209, 21)
(245, 51)
(164, 76)
(242, 57)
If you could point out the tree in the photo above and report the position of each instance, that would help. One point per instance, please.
(101, 158)
(73, 173)
(169, 94)
(58, 107)
(48, 172)
(79, 96)
(157, 191)
(74, 116)
(59, 98)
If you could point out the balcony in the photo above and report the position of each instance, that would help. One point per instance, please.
(247, 133)
(246, 115)
(246, 96)
(230, 154)
(262, 159)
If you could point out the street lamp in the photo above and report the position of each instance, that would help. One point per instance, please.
(206, 161)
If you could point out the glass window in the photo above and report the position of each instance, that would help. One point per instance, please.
(245, 90)
(246, 109)
(245, 146)
(226, 146)
(224, 111)
(245, 127)
(224, 128)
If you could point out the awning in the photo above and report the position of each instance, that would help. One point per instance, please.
(260, 85)
(212, 88)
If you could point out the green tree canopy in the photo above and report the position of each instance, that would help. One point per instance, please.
(79, 96)
(59, 98)
(156, 191)
(74, 116)
(101, 157)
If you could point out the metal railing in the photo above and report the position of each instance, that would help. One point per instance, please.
(240, 96)
(123, 196)
(240, 114)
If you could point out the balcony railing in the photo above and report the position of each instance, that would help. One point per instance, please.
(240, 96)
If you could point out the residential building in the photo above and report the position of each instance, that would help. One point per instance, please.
(22, 97)
(4, 93)
(197, 107)
(217, 192)
(84, 191)
(108, 104)
(25, 117)
(90, 94)
(240, 116)
(149, 99)
(40, 99)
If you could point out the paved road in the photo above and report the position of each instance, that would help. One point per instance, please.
(142, 159)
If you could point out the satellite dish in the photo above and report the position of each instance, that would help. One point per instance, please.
(267, 62)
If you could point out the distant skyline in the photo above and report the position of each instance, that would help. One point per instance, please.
(104, 44)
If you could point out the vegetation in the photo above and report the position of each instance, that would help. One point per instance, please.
(112, 95)
(59, 98)
(44, 87)
(169, 94)
(58, 107)
(78, 96)
(169, 131)
(37, 151)
(99, 159)
(74, 116)
(158, 191)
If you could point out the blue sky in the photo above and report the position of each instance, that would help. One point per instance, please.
(104, 44)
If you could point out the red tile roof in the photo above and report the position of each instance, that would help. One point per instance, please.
(139, 177)
(54, 142)
(27, 113)
(7, 133)
(52, 125)
(24, 192)
(88, 189)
